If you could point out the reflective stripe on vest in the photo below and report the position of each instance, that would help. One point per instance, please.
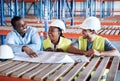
(98, 43)
(64, 43)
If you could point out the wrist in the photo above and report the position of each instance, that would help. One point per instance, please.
(23, 48)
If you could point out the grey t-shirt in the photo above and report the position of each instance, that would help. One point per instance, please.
(108, 45)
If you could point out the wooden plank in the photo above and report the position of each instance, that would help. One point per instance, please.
(103, 32)
(7, 66)
(69, 76)
(108, 32)
(24, 70)
(100, 31)
(60, 72)
(14, 68)
(4, 63)
(117, 32)
(46, 72)
(85, 73)
(35, 71)
(112, 33)
(100, 69)
(113, 69)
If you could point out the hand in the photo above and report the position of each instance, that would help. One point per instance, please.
(88, 53)
(59, 50)
(95, 52)
(29, 51)
(49, 49)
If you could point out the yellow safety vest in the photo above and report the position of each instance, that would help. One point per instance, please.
(63, 44)
(98, 43)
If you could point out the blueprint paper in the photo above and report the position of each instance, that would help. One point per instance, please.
(52, 57)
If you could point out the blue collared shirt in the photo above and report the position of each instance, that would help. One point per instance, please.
(31, 39)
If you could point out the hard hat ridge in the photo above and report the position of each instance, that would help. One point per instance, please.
(92, 23)
(58, 23)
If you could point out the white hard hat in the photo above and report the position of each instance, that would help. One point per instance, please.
(58, 23)
(6, 52)
(92, 23)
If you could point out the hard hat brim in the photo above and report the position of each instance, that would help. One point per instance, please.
(82, 27)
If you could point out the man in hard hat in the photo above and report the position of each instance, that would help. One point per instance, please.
(23, 38)
(56, 41)
(90, 43)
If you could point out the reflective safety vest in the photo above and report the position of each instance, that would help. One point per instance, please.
(63, 44)
(98, 43)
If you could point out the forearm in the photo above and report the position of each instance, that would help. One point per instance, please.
(75, 50)
(16, 48)
(34, 47)
(110, 53)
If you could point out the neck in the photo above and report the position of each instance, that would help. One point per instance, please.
(22, 34)
(55, 42)
(92, 38)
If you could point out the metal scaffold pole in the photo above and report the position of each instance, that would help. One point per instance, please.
(46, 15)
(40, 11)
(59, 10)
(102, 9)
(11, 9)
(63, 10)
(91, 7)
(113, 8)
(94, 14)
(108, 7)
(2, 18)
(87, 9)
(72, 12)
(23, 8)
(16, 8)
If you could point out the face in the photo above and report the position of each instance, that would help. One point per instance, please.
(86, 34)
(53, 33)
(20, 26)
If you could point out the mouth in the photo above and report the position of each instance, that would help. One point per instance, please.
(84, 37)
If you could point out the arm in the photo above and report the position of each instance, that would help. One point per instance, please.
(75, 50)
(110, 50)
(35, 43)
(113, 52)
(10, 40)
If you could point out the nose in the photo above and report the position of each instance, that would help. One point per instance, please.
(24, 26)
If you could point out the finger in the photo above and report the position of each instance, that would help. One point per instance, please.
(34, 55)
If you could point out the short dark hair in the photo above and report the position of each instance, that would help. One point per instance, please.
(15, 19)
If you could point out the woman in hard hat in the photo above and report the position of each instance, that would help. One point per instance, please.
(23, 38)
(56, 41)
(90, 43)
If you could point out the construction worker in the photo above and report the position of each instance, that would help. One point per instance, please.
(90, 43)
(23, 38)
(56, 41)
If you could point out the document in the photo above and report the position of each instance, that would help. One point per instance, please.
(52, 57)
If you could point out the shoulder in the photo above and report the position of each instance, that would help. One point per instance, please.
(12, 33)
(107, 41)
(100, 37)
(46, 40)
(31, 29)
(65, 39)
(109, 45)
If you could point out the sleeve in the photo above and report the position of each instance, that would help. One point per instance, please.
(109, 45)
(35, 41)
(75, 43)
(10, 40)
